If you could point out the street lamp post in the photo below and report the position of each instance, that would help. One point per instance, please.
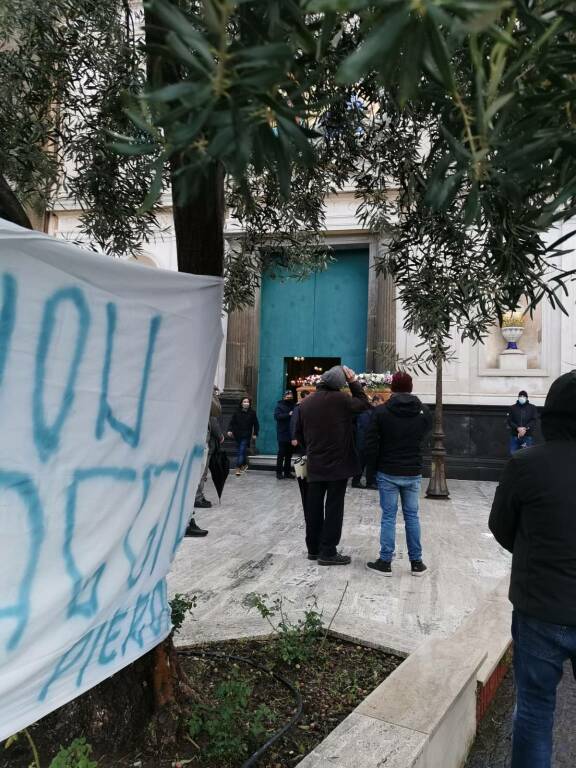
(437, 487)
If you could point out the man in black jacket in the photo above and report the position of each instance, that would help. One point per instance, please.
(325, 425)
(534, 517)
(521, 422)
(394, 445)
(283, 414)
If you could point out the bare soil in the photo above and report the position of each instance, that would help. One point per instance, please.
(335, 679)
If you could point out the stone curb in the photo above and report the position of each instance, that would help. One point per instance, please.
(424, 714)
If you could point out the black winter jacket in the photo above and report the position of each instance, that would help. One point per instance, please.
(325, 425)
(522, 416)
(282, 414)
(395, 435)
(534, 514)
(243, 423)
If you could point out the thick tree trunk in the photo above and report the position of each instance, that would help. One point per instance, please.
(10, 207)
(199, 225)
(438, 488)
(140, 707)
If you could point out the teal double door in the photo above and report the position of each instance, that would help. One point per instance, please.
(323, 316)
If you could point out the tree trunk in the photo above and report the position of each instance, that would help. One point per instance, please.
(438, 488)
(10, 207)
(199, 225)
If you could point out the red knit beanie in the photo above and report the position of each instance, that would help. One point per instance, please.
(401, 382)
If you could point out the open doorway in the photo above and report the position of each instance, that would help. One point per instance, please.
(297, 369)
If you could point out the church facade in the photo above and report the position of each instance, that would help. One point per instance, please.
(348, 314)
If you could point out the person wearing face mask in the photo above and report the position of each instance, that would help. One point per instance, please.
(243, 425)
(522, 419)
(282, 414)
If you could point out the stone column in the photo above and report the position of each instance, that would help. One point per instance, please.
(381, 337)
(242, 348)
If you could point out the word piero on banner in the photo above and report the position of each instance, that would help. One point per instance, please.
(106, 372)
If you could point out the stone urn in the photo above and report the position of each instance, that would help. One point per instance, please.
(512, 329)
(512, 334)
(513, 358)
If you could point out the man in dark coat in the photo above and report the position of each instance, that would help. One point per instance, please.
(214, 438)
(283, 414)
(522, 419)
(325, 426)
(394, 444)
(534, 517)
(214, 435)
(242, 427)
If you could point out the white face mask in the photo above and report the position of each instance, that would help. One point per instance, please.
(522, 400)
(245, 406)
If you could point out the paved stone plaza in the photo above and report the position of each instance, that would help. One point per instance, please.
(256, 544)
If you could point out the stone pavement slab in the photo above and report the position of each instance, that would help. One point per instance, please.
(256, 545)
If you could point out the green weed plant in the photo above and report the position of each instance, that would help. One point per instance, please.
(231, 728)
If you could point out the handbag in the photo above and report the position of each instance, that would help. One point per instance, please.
(301, 467)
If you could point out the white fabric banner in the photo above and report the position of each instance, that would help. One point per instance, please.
(106, 373)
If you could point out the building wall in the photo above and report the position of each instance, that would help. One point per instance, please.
(472, 378)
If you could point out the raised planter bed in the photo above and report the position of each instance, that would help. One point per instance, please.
(332, 682)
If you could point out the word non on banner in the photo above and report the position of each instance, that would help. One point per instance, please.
(106, 373)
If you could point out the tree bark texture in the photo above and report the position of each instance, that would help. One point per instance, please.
(199, 225)
(138, 707)
(10, 207)
(198, 212)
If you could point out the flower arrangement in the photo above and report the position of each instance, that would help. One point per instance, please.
(309, 381)
(369, 380)
(375, 380)
(513, 320)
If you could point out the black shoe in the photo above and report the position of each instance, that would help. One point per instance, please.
(383, 567)
(279, 476)
(289, 477)
(418, 568)
(194, 530)
(202, 504)
(312, 556)
(336, 559)
(372, 487)
(357, 485)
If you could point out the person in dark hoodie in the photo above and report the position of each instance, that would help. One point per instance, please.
(521, 421)
(363, 422)
(534, 517)
(283, 414)
(243, 425)
(394, 443)
(325, 425)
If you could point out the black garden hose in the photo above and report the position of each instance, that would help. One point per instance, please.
(253, 759)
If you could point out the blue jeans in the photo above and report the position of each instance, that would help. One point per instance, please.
(540, 650)
(242, 451)
(409, 489)
(516, 443)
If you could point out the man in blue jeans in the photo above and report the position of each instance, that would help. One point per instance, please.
(534, 517)
(394, 446)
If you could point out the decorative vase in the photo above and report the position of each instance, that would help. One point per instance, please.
(512, 334)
